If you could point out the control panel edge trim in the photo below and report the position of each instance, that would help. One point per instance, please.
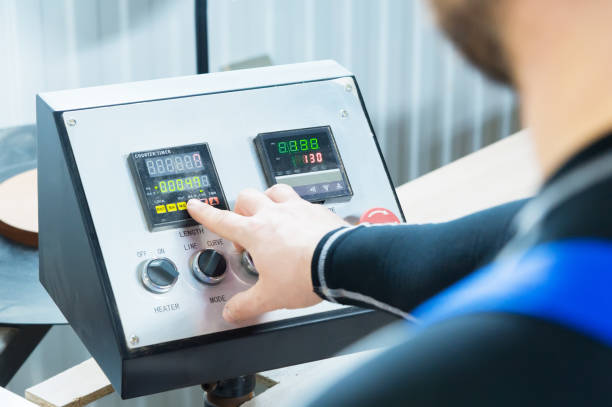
(88, 224)
(248, 331)
(384, 162)
(276, 85)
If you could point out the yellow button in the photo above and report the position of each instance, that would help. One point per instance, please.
(171, 207)
(181, 205)
(160, 209)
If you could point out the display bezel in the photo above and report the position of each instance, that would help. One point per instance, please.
(138, 173)
(268, 168)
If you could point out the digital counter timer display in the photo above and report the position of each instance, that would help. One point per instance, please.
(307, 160)
(167, 178)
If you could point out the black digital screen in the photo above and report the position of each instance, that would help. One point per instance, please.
(307, 160)
(167, 178)
(159, 166)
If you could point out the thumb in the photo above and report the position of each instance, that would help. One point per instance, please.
(246, 304)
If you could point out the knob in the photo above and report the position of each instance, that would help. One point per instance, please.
(209, 266)
(247, 263)
(159, 275)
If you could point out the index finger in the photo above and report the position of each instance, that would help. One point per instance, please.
(226, 224)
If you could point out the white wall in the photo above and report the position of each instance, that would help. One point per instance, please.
(428, 107)
(58, 44)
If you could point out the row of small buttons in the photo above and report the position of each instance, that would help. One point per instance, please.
(181, 206)
(171, 207)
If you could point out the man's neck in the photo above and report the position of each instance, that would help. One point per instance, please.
(564, 77)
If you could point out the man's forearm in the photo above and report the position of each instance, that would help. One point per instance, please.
(396, 267)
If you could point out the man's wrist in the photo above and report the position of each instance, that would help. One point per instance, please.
(320, 260)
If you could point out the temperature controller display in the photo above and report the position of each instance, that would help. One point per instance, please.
(306, 159)
(167, 178)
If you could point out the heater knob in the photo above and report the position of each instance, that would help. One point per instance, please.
(209, 266)
(159, 275)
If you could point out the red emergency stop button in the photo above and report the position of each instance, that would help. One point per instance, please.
(378, 215)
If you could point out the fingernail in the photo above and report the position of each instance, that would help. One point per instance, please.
(194, 203)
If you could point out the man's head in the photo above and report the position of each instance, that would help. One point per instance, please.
(474, 26)
(557, 55)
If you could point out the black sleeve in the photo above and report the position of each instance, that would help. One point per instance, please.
(492, 359)
(396, 267)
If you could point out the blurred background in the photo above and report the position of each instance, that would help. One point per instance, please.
(428, 107)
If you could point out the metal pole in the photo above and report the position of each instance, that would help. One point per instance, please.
(201, 31)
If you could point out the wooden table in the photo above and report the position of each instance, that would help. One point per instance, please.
(9, 399)
(502, 172)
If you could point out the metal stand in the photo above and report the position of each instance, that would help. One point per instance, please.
(19, 342)
(201, 29)
(230, 392)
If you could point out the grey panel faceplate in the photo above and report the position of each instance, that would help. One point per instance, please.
(103, 137)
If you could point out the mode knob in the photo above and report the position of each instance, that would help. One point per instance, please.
(209, 266)
(159, 275)
(247, 263)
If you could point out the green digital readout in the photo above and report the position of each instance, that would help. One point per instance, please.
(293, 146)
(182, 184)
(305, 159)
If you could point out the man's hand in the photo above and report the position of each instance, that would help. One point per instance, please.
(280, 231)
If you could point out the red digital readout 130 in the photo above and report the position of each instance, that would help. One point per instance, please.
(312, 158)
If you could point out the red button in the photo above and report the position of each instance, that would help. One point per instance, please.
(213, 200)
(378, 215)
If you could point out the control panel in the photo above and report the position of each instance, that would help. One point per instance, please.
(134, 154)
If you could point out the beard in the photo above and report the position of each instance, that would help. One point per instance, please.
(473, 27)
